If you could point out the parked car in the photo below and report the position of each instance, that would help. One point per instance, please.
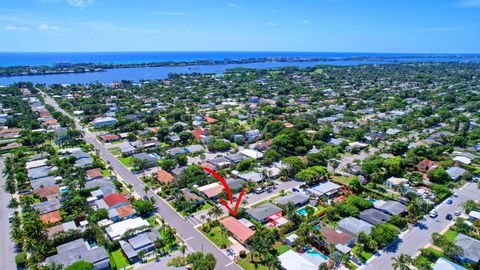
(457, 213)
(295, 190)
(10, 217)
(449, 217)
(433, 214)
(259, 190)
(449, 201)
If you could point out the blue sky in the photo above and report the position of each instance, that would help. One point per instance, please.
(423, 26)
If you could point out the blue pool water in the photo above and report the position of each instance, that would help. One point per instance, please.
(64, 189)
(315, 253)
(372, 200)
(154, 155)
(317, 227)
(302, 211)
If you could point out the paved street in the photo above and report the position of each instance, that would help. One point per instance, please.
(7, 248)
(420, 235)
(195, 240)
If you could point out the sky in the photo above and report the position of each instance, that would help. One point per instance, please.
(401, 26)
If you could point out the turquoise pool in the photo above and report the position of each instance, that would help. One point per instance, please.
(302, 211)
(372, 200)
(315, 253)
(64, 189)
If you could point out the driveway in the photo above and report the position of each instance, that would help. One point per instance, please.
(420, 235)
(7, 248)
(193, 238)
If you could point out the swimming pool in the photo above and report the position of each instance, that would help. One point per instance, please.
(302, 211)
(154, 155)
(372, 200)
(64, 189)
(316, 253)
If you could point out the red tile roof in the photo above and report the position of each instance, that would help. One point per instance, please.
(52, 217)
(113, 199)
(210, 120)
(238, 229)
(47, 192)
(332, 236)
(110, 137)
(94, 173)
(51, 122)
(198, 133)
(125, 211)
(165, 177)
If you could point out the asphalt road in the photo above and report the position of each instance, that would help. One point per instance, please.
(7, 248)
(195, 240)
(420, 235)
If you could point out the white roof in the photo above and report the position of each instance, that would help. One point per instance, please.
(463, 160)
(291, 260)
(444, 264)
(252, 153)
(209, 186)
(397, 180)
(474, 214)
(35, 163)
(116, 230)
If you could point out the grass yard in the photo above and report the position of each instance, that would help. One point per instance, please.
(118, 259)
(342, 180)
(360, 253)
(246, 264)
(204, 207)
(105, 172)
(282, 249)
(215, 235)
(450, 235)
(127, 161)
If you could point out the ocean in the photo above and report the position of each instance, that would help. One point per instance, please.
(149, 73)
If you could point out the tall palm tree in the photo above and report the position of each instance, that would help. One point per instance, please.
(402, 262)
(183, 249)
(215, 212)
(272, 261)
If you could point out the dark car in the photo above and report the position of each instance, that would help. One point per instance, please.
(449, 217)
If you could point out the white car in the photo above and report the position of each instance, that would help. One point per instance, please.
(457, 213)
(433, 214)
(10, 217)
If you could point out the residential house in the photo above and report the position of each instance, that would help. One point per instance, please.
(48, 193)
(470, 246)
(455, 172)
(325, 188)
(239, 230)
(104, 121)
(251, 176)
(374, 216)
(150, 159)
(297, 198)
(444, 264)
(73, 251)
(211, 190)
(267, 213)
(425, 166)
(391, 208)
(143, 242)
(354, 226)
(335, 237)
(292, 260)
(235, 185)
(110, 138)
(94, 174)
(395, 182)
(165, 177)
(116, 230)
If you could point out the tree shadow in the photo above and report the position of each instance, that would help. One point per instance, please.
(393, 247)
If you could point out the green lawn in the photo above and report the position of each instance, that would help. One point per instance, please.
(247, 265)
(360, 253)
(118, 259)
(450, 235)
(215, 235)
(105, 172)
(127, 161)
(204, 207)
(342, 180)
(282, 249)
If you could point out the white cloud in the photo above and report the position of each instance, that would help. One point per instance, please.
(15, 28)
(305, 21)
(81, 3)
(45, 27)
(468, 3)
(272, 24)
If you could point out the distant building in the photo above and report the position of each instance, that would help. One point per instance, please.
(104, 121)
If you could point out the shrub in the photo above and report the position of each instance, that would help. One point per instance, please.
(243, 254)
(21, 259)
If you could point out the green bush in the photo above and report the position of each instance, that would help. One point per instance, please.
(80, 265)
(21, 259)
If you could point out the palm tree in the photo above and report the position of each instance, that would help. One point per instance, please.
(215, 211)
(183, 249)
(146, 189)
(402, 262)
(272, 261)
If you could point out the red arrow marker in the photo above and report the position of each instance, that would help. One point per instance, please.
(227, 189)
(233, 212)
(224, 183)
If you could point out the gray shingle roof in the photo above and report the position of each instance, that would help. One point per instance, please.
(393, 208)
(354, 225)
(263, 211)
(296, 198)
(47, 207)
(374, 216)
(471, 247)
(74, 251)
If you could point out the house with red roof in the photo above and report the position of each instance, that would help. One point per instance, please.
(199, 134)
(165, 177)
(110, 138)
(239, 230)
(115, 200)
(210, 120)
(51, 217)
(425, 166)
(47, 193)
(94, 174)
